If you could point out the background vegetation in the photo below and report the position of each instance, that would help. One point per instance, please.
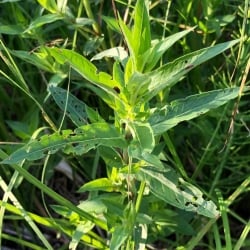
(39, 199)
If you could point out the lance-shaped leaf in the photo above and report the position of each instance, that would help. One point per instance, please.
(171, 73)
(189, 108)
(88, 70)
(49, 5)
(169, 187)
(75, 109)
(154, 54)
(141, 30)
(78, 141)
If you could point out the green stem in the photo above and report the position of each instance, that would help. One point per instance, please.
(140, 196)
(90, 15)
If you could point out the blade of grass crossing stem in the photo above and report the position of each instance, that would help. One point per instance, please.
(175, 155)
(25, 215)
(243, 237)
(204, 229)
(224, 216)
(240, 189)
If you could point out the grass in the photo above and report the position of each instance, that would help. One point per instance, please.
(123, 162)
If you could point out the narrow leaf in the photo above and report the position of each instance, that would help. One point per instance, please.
(169, 187)
(49, 5)
(78, 141)
(189, 108)
(171, 73)
(141, 30)
(75, 109)
(42, 20)
(153, 55)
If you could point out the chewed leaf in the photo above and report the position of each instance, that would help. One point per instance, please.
(189, 108)
(75, 108)
(78, 141)
(168, 186)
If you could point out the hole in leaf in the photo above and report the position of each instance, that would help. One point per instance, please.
(117, 90)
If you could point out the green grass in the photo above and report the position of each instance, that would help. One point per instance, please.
(145, 107)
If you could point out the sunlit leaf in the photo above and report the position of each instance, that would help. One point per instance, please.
(171, 73)
(49, 5)
(153, 55)
(78, 141)
(168, 186)
(188, 108)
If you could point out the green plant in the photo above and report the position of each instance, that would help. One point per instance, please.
(138, 181)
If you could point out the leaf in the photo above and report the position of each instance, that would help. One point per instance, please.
(118, 53)
(49, 5)
(189, 108)
(40, 60)
(111, 23)
(11, 29)
(153, 55)
(143, 135)
(78, 141)
(169, 187)
(171, 73)
(42, 20)
(141, 30)
(101, 184)
(84, 67)
(75, 109)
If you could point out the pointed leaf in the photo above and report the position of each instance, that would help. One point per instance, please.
(141, 30)
(75, 109)
(169, 187)
(101, 184)
(171, 73)
(189, 108)
(78, 141)
(49, 5)
(84, 67)
(42, 20)
(153, 55)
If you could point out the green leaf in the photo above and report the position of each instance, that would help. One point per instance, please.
(40, 60)
(171, 73)
(111, 23)
(49, 5)
(11, 29)
(169, 187)
(118, 53)
(189, 108)
(42, 20)
(75, 109)
(154, 54)
(101, 184)
(78, 141)
(141, 30)
(84, 67)
(143, 135)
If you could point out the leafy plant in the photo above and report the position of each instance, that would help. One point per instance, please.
(138, 178)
